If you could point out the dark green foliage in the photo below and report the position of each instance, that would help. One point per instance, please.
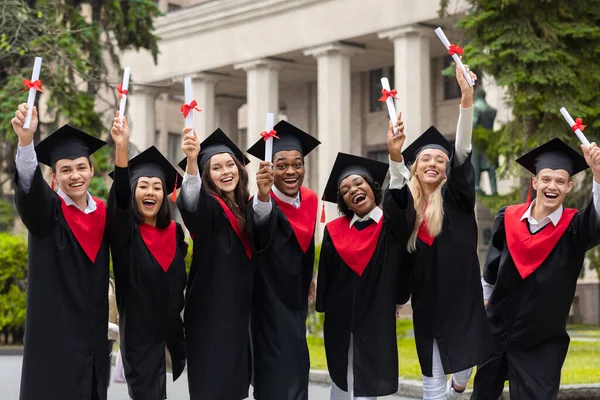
(13, 283)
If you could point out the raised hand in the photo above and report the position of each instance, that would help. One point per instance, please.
(465, 89)
(395, 142)
(120, 134)
(190, 144)
(592, 158)
(25, 135)
(264, 180)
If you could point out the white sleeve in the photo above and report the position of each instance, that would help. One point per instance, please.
(596, 195)
(190, 191)
(487, 289)
(26, 162)
(464, 132)
(262, 209)
(399, 174)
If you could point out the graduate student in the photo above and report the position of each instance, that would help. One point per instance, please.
(66, 343)
(361, 277)
(534, 259)
(148, 250)
(213, 202)
(451, 330)
(282, 223)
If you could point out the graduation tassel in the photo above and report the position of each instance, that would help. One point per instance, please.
(529, 191)
(52, 186)
(323, 212)
(174, 194)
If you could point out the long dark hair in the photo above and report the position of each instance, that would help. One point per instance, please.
(240, 194)
(163, 218)
(343, 208)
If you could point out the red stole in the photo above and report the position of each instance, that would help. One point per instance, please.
(88, 229)
(162, 243)
(423, 232)
(354, 247)
(236, 227)
(529, 251)
(303, 219)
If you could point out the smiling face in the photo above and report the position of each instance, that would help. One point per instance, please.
(357, 195)
(73, 176)
(431, 167)
(224, 172)
(288, 171)
(551, 186)
(149, 196)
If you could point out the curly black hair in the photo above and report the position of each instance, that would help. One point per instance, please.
(344, 210)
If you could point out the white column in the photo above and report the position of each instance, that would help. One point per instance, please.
(412, 78)
(203, 89)
(141, 113)
(333, 115)
(227, 117)
(262, 96)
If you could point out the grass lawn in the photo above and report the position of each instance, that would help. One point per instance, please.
(581, 366)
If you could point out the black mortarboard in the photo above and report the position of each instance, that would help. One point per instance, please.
(216, 143)
(430, 139)
(346, 165)
(554, 154)
(290, 138)
(66, 143)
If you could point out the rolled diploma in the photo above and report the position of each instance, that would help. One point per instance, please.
(124, 86)
(189, 120)
(37, 66)
(390, 103)
(578, 132)
(456, 58)
(269, 142)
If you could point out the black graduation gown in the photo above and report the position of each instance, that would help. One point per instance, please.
(280, 305)
(365, 306)
(447, 299)
(149, 299)
(217, 306)
(66, 340)
(528, 316)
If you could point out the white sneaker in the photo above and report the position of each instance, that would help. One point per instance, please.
(451, 393)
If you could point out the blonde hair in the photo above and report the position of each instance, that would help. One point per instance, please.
(431, 208)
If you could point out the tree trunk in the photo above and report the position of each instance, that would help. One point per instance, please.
(529, 128)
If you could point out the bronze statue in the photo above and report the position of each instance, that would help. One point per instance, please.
(483, 115)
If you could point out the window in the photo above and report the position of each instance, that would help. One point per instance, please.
(173, 7)
(451, 88)
(173, 146)
(375, 76)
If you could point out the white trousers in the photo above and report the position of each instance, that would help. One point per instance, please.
(434, 388)
(338, 394)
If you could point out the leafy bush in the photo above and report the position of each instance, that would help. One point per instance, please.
(7, 215)
(13, 283)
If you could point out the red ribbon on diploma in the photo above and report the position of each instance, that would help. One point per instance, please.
(37, 85)
(455, 49)
(186, 108)
(578, 125)
(271, 134)
(387, 94)
(121, 91)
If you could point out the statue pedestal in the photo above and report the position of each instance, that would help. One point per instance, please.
(485, 219)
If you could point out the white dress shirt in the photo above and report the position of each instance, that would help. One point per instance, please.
(536, 226)
(375, 215)
(190, 191)
(26, 163)
(464, 132)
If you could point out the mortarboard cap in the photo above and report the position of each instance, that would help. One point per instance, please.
(346, 165)
(152, 164)
(216, 143)
(430, 139)
(554, 154)
(66, 143)
(290, 138)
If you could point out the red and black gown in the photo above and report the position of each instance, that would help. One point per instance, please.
(528, 316)
(218, 299)
(150, 278)
(285, 250)
(66, 343)
(362, 276)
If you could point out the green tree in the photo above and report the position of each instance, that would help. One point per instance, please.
(546, 54)
(13, 284)
(78, 41)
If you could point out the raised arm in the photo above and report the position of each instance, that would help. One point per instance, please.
(464, 130)
(261, 203)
